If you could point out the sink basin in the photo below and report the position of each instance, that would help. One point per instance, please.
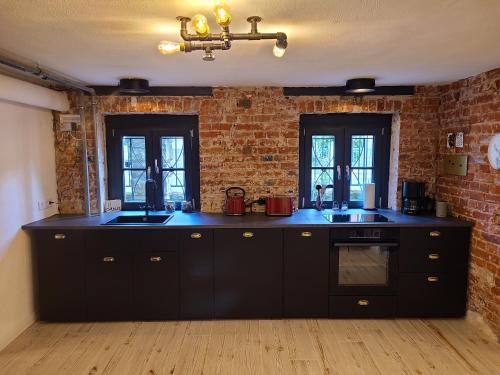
(139, 220)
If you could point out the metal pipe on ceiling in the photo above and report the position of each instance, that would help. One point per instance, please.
(43, 75)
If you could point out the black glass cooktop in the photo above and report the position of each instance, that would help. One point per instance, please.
(356, 218)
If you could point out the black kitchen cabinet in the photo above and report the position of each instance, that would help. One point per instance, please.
(434, 249)
(156, 286)
(248, 273)
(197, 274)
(433, 272)
(60, 271)
(432, 295)
(306, 263)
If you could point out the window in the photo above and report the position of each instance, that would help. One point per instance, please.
(344, 152)
(167, 145)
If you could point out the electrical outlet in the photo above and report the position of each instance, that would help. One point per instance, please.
(45, 205)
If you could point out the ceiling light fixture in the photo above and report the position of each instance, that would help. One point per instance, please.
(360, 85)
(203, 40)
(134, 86)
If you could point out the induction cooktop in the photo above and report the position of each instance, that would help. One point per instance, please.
(356, 218)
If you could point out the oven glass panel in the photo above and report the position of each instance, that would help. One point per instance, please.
(363, 265)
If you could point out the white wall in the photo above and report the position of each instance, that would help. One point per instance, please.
(27, 175)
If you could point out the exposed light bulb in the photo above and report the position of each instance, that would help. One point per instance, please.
(278, 51)
(200, 25)
(222, 13)
(167, 48)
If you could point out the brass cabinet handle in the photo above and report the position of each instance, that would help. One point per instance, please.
(363, 302)
(433, 256)
(196, 235)
(59, 236)
(433, 279)
(435, 233)
(306, 234)
(155, 259)
(108, 259)
(248, 234)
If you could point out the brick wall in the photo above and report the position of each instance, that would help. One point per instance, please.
(472, 106)
(234, 139)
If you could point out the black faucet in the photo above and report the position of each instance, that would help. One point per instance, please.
(150, 189)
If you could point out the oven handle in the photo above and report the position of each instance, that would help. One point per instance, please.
(386, 244)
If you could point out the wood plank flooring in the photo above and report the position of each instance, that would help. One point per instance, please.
(256, 347)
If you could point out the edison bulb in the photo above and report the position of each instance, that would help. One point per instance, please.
(278, 51)
(222, 13)
(200, 25)
(167, 48)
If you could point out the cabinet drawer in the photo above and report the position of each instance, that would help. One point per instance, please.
(362, 306)
(447, 250)
(432, 295)
(109, 284)
(156, 286)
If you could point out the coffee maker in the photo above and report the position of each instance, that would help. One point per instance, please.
(413, 197)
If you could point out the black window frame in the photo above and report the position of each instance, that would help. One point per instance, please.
(345, 125)
(153, 127)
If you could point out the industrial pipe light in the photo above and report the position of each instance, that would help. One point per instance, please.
(203, 40)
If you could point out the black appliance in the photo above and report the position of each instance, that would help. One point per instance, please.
(356, 218)
(364, 261)
(413, 197)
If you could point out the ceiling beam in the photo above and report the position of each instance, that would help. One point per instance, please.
(341, 91)
(158, 91)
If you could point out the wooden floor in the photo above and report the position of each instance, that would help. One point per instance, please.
(254, 347)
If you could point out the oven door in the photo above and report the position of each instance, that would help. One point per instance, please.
(363, 268)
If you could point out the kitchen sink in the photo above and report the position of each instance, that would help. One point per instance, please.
(139, 220)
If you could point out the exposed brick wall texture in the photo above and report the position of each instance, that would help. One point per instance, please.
(472, 106)
(234, 140)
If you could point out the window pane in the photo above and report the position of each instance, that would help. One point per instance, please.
(174, 185)
(362, 151)
(134, 186)
(321, 177)
(323, 151)
(359, 177)
(134, 152)
(172, 152)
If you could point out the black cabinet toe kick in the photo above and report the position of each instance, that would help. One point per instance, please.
(91, 275)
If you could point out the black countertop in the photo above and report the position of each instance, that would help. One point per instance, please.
(303, 219)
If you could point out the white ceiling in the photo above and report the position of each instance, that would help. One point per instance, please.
(394, 41)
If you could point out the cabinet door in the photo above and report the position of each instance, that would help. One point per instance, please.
(197, 274)
(306, 254)
(248, 273)
(156, 287)
(60, 272)
(434, 249)
(432, 295)
(109, 284)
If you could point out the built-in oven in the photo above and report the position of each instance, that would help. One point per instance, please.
(364, 261)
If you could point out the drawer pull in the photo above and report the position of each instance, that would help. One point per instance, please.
(59, 236)
(108, 259)
(306, 234)
(435, 233)
(433, 279)
(155, 259)
(433, 256)
(196, 235)
(363, 302)
(248, 234)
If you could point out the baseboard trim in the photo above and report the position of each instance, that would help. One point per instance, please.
(14, 333)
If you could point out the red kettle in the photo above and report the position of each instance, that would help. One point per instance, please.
(235, 202)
